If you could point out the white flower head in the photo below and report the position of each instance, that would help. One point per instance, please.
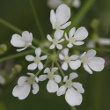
(91, 62)
(37, 60)
(59, 20)
(23, 87)
(23, 41)
(2, 80)
(76, 37)
(72, 60)
(52, 85)
(72, 90)
(56, 40)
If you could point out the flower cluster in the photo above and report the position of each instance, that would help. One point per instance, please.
(60, 44)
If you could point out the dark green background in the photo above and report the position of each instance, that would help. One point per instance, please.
(97, 86)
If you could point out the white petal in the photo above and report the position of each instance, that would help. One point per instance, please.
(42, 77)
(62, 14)
(35, 88)
(49, 38)
(2, 80)
(81, 33)
(74, 57)
(72, 32)
(52, 18)
(57, 78)
(54, 69)
(29, 58)
(52, 86)
(43, 57)
(65, 78)
(91, 44)
(17, 41)
(104, 41)
(96, 64)
(46, 70)
(52, 46)
(59, 46)
(66, 36)
(86, 67)
(61, 91)
(21, 91)
(73, 75)
(40, 66)
(27, 36)
(65, 51)
(19, 50)
(75, 64)
(72, 97)
(38, 51)
(31, 74)
(65, 25)
(76, 3)
(69, 45)
(78, 43)
(32, 66)
(91, 53)
(61, 56)
(58, 34)
(61, 40)
(78, 87)
(22, 80)
(64, 66)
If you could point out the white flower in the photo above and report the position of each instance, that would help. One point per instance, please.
(23, 87)
(37, 60)
(2, 80)
(52, 85)
(76, 37)
(91, 62)
(72, 61)
(23, 41)
(55, 3)
(60, 18)
(91, 44)
(104, 41)
(72, 90)
(56, 40)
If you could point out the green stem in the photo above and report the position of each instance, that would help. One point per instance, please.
(80, 15)
(36, 19)
(73, 108)
(60, 69)
(16, 55)
(9, 25)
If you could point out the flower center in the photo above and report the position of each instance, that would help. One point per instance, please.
(67, 59)
(37, 59)
(31, 80)
(50, 75)
(71, 40)
(55, 41)
(68, 83)
(27, 43)
(57, 26)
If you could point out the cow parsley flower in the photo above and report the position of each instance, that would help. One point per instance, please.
(59, 20)
(23, 41)
(56, 40)
(91, 62)
(72, 60)
(22, 89)
(37, 60)
(76, 37)
(72, 90)
(52, 85)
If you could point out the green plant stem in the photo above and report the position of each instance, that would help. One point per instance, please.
(73, 108)
(80, 15)
(16, 55)
(36, 19)
(60, 69)
(9, 25)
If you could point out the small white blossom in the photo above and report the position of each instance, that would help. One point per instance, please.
(37, 60)
(23, 41)
(2, 80)
(52, 85)
(91, 44)
(23, 87)
(72, 60)
(72, 90)
(91, 62)
(59, 20)
(104, 41)
(76, 37)
(55, 3)
(56, 40)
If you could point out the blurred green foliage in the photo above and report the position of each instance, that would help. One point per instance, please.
(97, 86)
